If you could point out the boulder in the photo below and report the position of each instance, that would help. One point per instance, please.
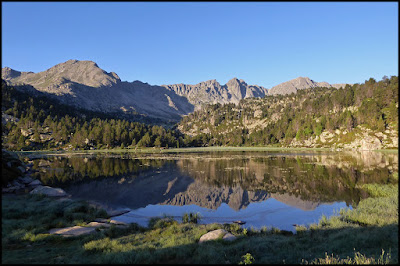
(217, 234)
(370, 143)
(97, 224)
(17, 184)
(101, 220)
(8, 190)
(49, 191)
(35, 183)
(73, 231)
(25, 179)
(21, 169)
(229, 237)
(117, 212)
(118, 223)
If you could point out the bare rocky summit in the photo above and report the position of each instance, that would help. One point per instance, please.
(211, 92)
(300, 83)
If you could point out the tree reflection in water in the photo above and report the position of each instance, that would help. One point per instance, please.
(212, 178)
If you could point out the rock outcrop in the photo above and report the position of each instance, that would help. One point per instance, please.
(211, 92)
(11, 168)
(364, 139)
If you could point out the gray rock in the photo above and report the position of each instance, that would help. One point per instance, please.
(101, 220)
(73, 231)
(17, 184)
(49, 191)
(97, 224)
(217, 234)
(118, 222)
(25, 179)
(370, 143)
(229, 237)
(21, 169)
(117, 212)
(35, 183)
(8, 189)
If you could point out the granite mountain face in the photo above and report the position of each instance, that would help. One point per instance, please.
(211, 92)
(85, 85)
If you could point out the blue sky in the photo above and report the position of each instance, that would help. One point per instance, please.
(264, 43)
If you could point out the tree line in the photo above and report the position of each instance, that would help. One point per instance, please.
(45, 123)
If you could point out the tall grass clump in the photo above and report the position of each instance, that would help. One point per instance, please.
(357, 259)
(379, 209)
(191, 218)
(157, 222)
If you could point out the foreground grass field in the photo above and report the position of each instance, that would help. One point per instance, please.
(367, 234)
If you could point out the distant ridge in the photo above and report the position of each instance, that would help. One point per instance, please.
(85, 85)
(300, 83)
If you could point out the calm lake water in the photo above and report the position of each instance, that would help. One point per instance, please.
(273, 189)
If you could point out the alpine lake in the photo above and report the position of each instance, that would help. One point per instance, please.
(277, 189)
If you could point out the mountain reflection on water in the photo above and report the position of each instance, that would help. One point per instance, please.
(214, 180)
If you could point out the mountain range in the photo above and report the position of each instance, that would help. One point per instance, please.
(85, 85)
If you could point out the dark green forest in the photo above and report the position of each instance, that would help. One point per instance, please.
(45, 123)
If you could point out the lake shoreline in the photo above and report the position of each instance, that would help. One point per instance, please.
(195, 149)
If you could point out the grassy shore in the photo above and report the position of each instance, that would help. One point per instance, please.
(186, 150)
(366, 234)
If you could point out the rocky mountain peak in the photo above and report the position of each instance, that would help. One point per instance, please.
(209, 83)
(233, 82)
(296, 84)
(9, 73)
(73, 71)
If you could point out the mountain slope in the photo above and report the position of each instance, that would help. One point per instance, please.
(85, 85)
(300, 83)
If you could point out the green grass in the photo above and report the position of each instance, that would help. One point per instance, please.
(358, 258)
(352, 236)
(184, 150)
(176, 150)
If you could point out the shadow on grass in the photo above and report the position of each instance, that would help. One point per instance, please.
(26, 220)
(264, 247)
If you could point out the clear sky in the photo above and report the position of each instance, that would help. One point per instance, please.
(264, 43)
